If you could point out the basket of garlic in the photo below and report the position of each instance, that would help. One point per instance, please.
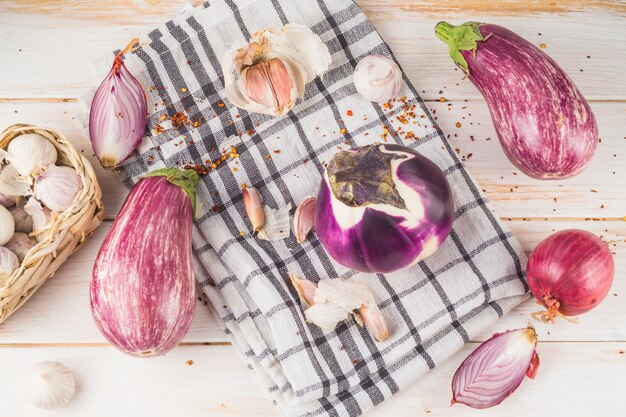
(50, 201)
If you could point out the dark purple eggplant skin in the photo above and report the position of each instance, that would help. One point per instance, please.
(544, 123)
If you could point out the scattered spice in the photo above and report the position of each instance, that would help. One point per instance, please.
(242, 233)
(189, 362)
(543, 45)
(342, 131)
(220, 104)
(184, 89)
(349, 113)
(458, 124)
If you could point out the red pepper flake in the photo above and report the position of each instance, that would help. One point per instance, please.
(349, 113)
(188, 62)
(217, 208)
(220, 104)
(158, 129)
(189, 362)
(443, 99)
(276, 150)
(543, 45)
(268, 156)
(184, 89)
(387, 105)
(593, 191)
(163, 117)
(458, 124)
(342, 131)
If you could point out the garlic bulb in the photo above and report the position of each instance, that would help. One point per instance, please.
(57, 187)
(50, 385)
(269, 73)
(12, 183)
(42, 218)
(20, 244)
(7, 200)
(30, 153)
(7, 225)
(8, 264)
(23, 221)
(377, 78)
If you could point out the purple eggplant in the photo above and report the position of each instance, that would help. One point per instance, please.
(544, 124)
(381, 208)
(142, 288)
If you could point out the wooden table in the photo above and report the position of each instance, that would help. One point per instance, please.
(46, 51)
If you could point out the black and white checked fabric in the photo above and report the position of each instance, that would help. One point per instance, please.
(431, 309)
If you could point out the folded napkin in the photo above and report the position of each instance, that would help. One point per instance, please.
(431, 309)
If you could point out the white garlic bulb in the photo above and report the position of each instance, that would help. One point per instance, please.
(377, 78)
(50, 385)
(268, 73)
(23, 221)
(30, 153)
(57, 187)
(8, 264)
(20, 244)
(12, 183)
(42, 218)
(7, 225)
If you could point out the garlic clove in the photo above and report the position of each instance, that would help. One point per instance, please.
(57, 187)
(377, 78)
(374, 321)
(42, 218)
(253, 203)
(304, 219)
(12, 183)
(276, 225)
(8, 264)
(326, 316)
(30, 153)
(349, 295)
(23, 221)
(7, 225)
(20, 244)
(50, 385)
(7, 200)
(305, 289)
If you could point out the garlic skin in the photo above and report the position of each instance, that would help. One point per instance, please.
(7, 225)
(57, 187)
(23, 221)
(8, 264)
(268, 74)
(20, 244)
(42, 218)
(50, 385)
(377, 78)
(12, 183)
(29, 154)
(7, 200)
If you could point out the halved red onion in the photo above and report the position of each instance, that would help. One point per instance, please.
(119, 113)
(496, 368)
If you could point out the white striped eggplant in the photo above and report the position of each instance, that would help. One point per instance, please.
(142, 287)
(544, 124)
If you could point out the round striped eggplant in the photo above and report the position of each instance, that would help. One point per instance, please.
(142, 288)
(544, 124)
(381, 208)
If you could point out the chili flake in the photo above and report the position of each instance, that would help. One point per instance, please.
(184, 89)
(458, 124)
(342, 131)
(349, 113)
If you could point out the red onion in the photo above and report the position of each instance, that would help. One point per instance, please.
(496, 368)
(570, 273)
(118, 115)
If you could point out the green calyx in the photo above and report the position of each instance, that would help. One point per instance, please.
(460, 38)
(186, 179)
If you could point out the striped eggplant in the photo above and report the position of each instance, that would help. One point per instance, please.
(381, 208)
(142, 287)
(544, 124)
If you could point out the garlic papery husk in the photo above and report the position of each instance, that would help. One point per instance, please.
(42, 218)
(8, 263)
(50, 385)
(327, 316)
(7, 200)
(305, 289)
(276, 225)
(7, 225)
(29, 154)
(349, 295)
(268, 73)
(23, 221)
(12, 183)
(377, 78)
(20, 244)
(57, 187)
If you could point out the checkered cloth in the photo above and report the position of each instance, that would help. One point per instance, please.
(431, 309)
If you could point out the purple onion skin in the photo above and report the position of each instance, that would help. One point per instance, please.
(378, 242)
(142, 288)
(544, 123)
(573, 268)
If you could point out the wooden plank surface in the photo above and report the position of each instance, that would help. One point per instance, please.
(46, 53)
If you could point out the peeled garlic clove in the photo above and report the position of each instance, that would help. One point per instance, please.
(326, 316)
(304, 219)
(268, 74)
(20, 244)
(374, 321)
(305, 289)
(377, 78)
(23, 221)
(57, 187)
(30, 153)
(42, 218)
(12, 183)
(7, 225)
(253, 203)
(50, 385)
(8, 264)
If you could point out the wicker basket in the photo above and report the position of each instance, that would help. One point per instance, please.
(64, 235)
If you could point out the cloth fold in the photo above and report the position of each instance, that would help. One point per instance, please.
(431, 308)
